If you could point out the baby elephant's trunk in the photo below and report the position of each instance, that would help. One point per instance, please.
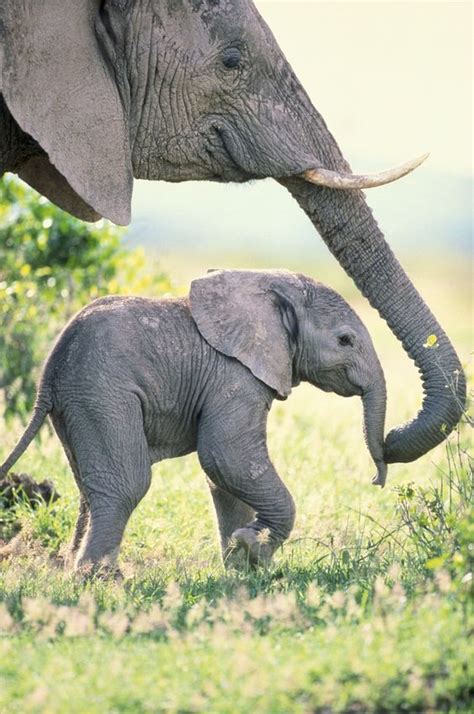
(374, 400)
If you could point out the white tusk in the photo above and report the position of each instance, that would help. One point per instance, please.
(334, 179)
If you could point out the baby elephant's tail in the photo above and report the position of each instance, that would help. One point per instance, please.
(42, 408)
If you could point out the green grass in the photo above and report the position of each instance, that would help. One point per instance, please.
(367, 608)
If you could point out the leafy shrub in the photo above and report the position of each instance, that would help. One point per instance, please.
(51, 265)
(439, 518)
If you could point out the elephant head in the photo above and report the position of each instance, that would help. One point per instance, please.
(169, 90)
(104, 90)
(287, 328)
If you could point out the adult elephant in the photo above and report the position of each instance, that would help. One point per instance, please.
(97, 92)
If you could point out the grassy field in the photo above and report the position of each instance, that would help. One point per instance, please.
(367, 608)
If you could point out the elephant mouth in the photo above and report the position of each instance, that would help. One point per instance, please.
(222, 157)
(236, 158)
(337, 381)
(349, 389)
(242, 161)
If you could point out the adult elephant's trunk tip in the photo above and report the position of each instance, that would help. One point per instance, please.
(443, 406)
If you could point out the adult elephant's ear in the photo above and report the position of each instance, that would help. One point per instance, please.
(249, 315)
(60, 90)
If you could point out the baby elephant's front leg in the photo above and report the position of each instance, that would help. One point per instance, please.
(275, 513)
(235, 457)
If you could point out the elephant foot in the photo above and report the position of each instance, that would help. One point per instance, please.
(256, 545)
(104, 569)
(235, 558)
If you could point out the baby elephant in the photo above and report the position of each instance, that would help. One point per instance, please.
(132, 381)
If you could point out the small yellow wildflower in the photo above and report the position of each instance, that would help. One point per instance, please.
(431, 342)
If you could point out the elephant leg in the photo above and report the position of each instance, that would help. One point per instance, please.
(82, 524)
(113, 473)
(83, 516)
(232, 513)
(234, 455)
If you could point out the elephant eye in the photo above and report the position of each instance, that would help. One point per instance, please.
(231, 57)
(345, 340)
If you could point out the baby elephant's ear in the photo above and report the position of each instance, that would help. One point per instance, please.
(239, 313)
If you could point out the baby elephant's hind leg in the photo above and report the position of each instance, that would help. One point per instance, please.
(231, 514)
(83, 516)
(114, 473)
(82, 524)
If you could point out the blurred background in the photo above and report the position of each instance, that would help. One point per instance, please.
(393, 80)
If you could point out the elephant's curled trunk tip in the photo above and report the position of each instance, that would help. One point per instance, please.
(441, 413)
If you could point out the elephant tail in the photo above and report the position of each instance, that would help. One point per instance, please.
(43, 406)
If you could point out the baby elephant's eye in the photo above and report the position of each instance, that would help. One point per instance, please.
(231, 57)
(345, 340)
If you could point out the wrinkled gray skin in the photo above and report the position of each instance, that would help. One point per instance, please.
(95, 93)
(132, 381)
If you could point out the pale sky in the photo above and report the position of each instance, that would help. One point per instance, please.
(393, 80)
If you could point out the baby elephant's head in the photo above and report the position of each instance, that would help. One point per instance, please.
(287, 328)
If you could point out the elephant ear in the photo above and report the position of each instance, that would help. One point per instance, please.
(250, 315)
(59, 88)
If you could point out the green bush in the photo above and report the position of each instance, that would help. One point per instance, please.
(51, 265)
(438, 519)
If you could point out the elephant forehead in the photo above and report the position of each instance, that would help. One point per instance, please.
(246, 280)
(203, 8)
(209, 21)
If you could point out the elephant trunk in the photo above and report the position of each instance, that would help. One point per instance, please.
(349, 229)
(374, 400)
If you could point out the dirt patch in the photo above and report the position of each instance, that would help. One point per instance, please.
(21, 488)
